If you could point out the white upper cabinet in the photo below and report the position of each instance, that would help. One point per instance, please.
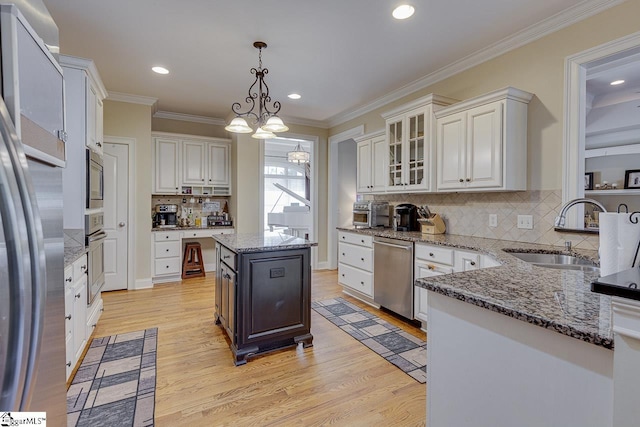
(371, 163)
(166, 164)
(194, 165)
(84, 95)
(218, 170)
(410, 164)
(482, 143)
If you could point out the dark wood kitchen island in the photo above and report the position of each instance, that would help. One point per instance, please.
(263, 292)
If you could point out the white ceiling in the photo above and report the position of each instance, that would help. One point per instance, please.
(338, 54)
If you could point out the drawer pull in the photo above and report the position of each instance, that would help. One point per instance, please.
(69, 364)
(229, 256)
(362, 259)
(343, 237)
(68, 279)
(68, 317)
(77, 295)
(362, 283)
(431, 254)
(473, 263)
(362, 240)
(194, 234)
(461, 180)
(167, 250)
(431, 267)
(166, 266)
(166, 237)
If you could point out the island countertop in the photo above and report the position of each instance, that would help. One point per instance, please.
(560, 300)
(261, 242)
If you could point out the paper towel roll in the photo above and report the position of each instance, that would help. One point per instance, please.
(628, 237)
(609, 243)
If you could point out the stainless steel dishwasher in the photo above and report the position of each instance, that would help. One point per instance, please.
(393, 275)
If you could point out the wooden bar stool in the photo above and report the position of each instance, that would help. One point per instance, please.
(192, 264)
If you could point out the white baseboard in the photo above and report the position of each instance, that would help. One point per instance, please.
(143, 284)
(322, 266)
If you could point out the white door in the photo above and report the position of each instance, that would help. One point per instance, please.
(363, 177)
(379, 163)
(484, 146)
(451, 151)
(116, 211)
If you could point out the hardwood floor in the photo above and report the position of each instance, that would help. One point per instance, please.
(338, 381)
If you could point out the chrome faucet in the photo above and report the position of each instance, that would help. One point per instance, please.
(563, 212)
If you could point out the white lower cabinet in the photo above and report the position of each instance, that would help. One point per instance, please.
(432, 260)
(75, 309)
(355, 264)
(166, 250)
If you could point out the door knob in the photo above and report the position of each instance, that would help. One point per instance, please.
(122, 224)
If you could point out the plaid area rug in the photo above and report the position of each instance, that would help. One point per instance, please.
(116, 382)
(397, 346)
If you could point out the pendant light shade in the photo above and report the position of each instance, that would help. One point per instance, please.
(238, 125)
(298, 155)
(275, 124)
(263, 134)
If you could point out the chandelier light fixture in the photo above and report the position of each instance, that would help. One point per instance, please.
(298, 155)
(265, 116)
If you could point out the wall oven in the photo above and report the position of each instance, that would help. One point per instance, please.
(95, 180)
(94, 239)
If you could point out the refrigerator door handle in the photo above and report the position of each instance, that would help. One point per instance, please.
(14, 224)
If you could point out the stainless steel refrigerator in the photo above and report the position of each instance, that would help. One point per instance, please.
(32, 341)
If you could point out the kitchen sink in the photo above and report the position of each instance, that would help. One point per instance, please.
(558, 261)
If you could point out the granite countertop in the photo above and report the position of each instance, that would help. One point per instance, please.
(74, 246)
(560, 300)
(215, 227)
(262, 242)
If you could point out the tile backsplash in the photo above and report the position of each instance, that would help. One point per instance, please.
(468, 214)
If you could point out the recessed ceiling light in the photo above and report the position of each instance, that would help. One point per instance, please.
(617, 82)
(403, 11)
(160, 70)
(294, 96)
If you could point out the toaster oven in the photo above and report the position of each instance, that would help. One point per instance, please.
(370, 214)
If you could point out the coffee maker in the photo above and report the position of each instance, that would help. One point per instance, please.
(165, 216)
(405, 217)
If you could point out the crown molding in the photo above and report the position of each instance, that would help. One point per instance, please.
(322, 124)
(188, 118)
(131, 99)
(87, 65)
(534, 32)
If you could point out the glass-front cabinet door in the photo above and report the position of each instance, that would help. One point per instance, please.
(394, 135)
(415, 168)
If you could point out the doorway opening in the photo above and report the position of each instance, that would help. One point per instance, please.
(288, 189)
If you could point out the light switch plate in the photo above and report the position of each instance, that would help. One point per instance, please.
(493, 220)
(525, 221)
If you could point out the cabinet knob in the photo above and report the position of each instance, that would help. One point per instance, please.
(84, 267)
(431, 267)
(68, 279)
(362, 240)
(361, 259)
(342, 253)
(77, 295)
(342, 274)
(362, 283)
(468, 179)
(69, 364)
(166, 237)
(99, 144)
(194, 234)
(68, 317)
(166, 266)
(473, 263)
(461, 180)
(342, 237)
(167, 250)
(229, 256)
(430, 253)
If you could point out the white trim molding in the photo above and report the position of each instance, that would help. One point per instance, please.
(188, 118)
(575, 102)
(534, 32)
(131, 214)
(143, 284)
(332, 248)
(131, 99)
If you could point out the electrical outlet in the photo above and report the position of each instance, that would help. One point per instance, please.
(493, 220)
(525, 221)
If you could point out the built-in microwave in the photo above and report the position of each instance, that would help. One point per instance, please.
(95, 180)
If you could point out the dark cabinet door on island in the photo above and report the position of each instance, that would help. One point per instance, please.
(266, 303)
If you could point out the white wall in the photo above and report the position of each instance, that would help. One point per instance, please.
(346, 182)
